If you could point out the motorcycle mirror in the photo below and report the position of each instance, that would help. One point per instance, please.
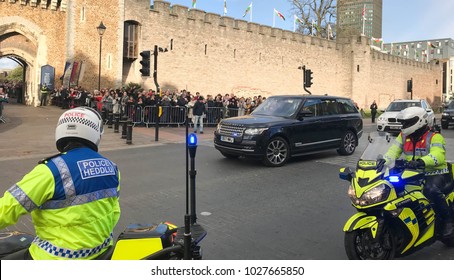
(346, 174)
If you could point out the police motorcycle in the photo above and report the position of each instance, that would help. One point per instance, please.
(394, 218)
(162, 241)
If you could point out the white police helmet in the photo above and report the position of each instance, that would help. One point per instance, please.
(412, 119)
(81, 124)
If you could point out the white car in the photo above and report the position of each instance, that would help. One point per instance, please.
(387, 121)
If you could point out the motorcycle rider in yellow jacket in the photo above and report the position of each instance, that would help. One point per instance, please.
(425, 149)
(72, 197)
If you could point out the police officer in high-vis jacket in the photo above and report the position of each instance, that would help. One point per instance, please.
(425, 149)
(72, 197)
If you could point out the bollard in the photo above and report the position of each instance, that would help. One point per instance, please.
(110, 119)
(117, 123)
(129, 132)
(124, 125)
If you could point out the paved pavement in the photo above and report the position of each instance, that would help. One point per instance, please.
(30, 132)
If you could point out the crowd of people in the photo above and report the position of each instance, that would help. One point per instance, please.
(12, 90)
(124, 100)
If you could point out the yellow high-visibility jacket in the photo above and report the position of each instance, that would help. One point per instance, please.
(431, 149)
(73, 200)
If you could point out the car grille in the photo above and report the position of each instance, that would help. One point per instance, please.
(229, 129)
(392, 120)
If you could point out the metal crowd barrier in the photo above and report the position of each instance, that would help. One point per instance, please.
(2, 100)
(170, 115)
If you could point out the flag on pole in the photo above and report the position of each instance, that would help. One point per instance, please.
(330, 32)
(314, 26)
(279, 14)
(296, 20)
(248, 9)
(194, 2)
(377, 40)
(431, 45)
(225, 7)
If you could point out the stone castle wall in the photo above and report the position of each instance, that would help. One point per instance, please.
(213, 54)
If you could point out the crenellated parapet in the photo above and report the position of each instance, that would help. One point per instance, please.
(186, 14)
(381, 56)
(54, 5)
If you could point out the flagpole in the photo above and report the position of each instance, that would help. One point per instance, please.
(250, 16)
(294, 23)
(364, 18)
(274, 18)
(428, 53)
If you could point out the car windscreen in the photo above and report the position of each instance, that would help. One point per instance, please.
(399, 106)
(278, 107)
(450, 105)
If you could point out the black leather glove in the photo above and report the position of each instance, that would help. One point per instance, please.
(380, 163)
(416, 164)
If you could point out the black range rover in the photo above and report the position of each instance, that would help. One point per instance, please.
(291, 125)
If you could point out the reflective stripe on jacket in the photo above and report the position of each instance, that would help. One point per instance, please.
(73, 201)
(431, 148)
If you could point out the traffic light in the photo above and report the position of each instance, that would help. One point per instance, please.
(409, 85)
(308, 78)
(145, 62)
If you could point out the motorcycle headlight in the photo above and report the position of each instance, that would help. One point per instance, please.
(375, 195)
(255, 131)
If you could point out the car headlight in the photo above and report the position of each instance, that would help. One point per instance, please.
(381, 119)
(375, 195)
(255, 131)
(218, 127)
(445, 114)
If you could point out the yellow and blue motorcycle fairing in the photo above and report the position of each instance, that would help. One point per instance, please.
(362, 220)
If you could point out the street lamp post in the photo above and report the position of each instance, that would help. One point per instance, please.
(101, 29)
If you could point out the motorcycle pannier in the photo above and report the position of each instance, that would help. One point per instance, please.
(140, 240)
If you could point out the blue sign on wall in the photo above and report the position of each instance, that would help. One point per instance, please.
(48, 76)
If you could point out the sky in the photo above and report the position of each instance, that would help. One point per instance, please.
(403, 20)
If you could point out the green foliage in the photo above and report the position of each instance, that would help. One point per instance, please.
(16, 74)
(133, 88)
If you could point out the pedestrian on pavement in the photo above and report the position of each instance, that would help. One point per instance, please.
(198, 112)
(373, 111)
(72, 197)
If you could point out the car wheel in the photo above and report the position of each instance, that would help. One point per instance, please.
(230, 156)
(277, 152)
(348, 144)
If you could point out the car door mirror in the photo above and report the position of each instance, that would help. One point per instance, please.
(305, 113)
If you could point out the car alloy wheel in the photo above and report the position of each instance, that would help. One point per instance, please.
(277, 152)
(348, 143)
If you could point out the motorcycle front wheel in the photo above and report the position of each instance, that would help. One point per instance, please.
(360, 245)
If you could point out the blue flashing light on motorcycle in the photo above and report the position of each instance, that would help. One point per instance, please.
(386, 196)
(394, 179)
(192, 140)
(163, 241)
